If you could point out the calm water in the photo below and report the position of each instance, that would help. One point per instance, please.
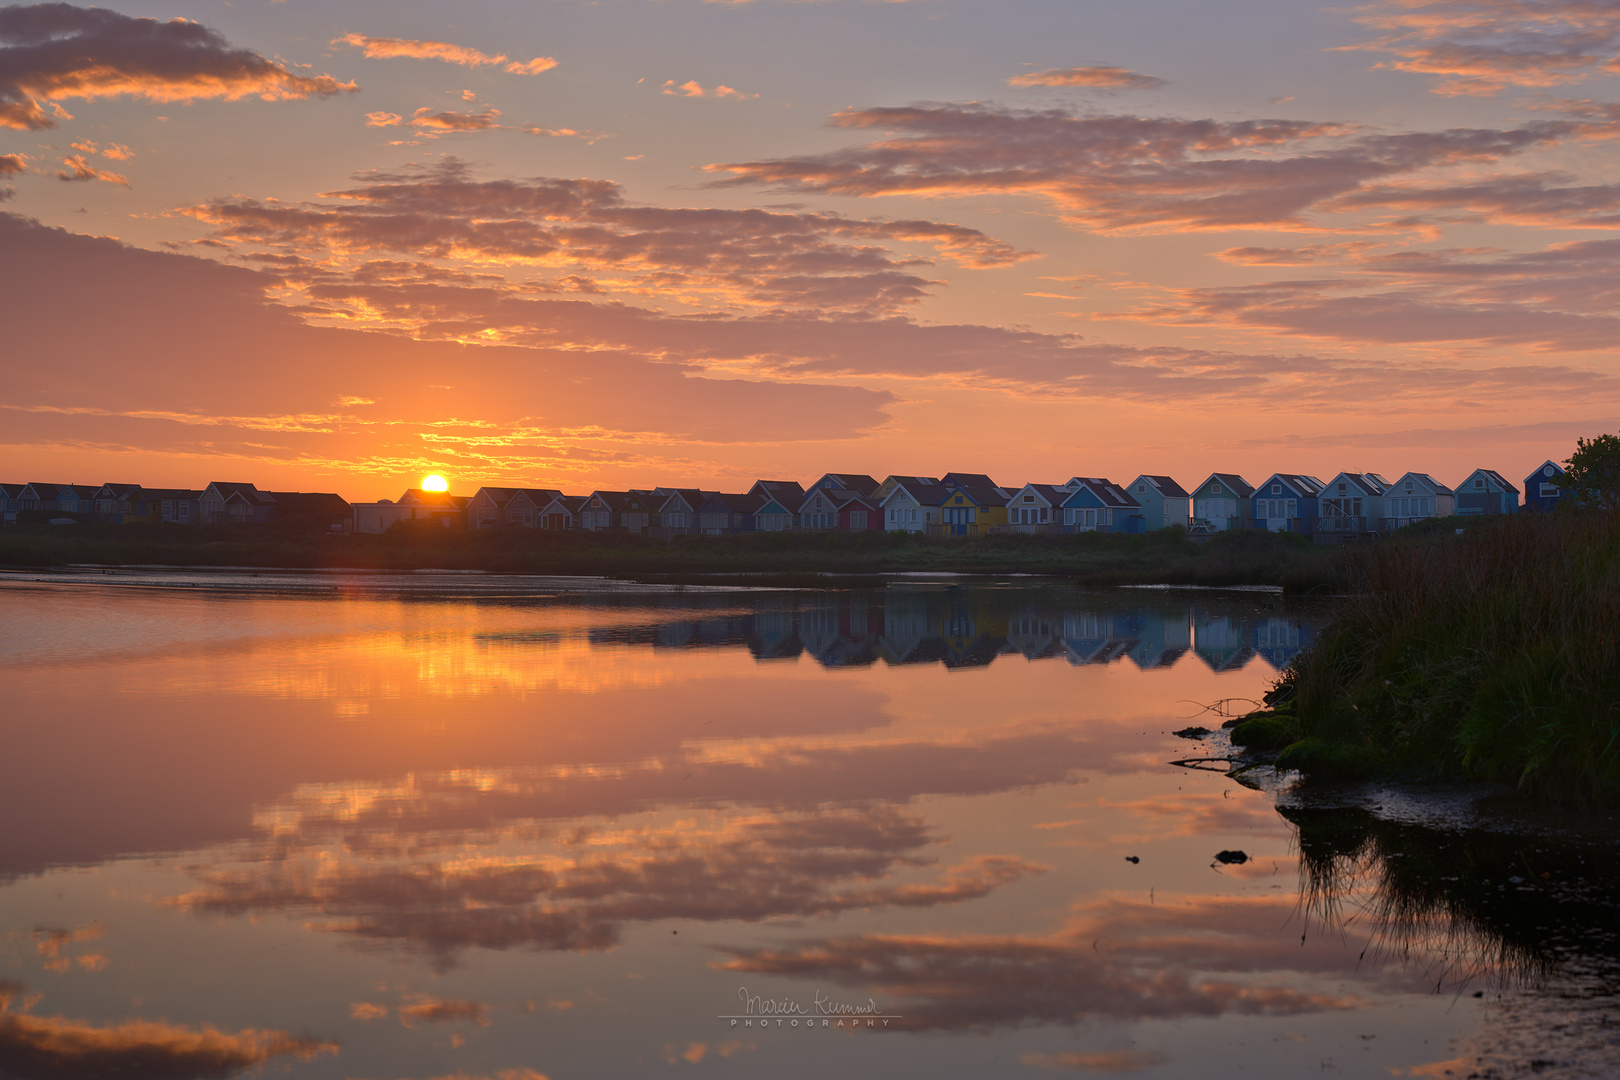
(366, 828)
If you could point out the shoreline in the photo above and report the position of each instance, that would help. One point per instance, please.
(794, 559)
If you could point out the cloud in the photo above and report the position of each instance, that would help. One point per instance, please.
(1557, 299)
(741, 867)
(164, 315)
(556, 133)
(77, 167)
(114, 151)
(55, 52)
(52, 942)
(432, 1010)
(1115, 959)
(390, 48)
(557, 372)
(747, 258)
(11, 164)
(1099, 78)
(692, 88)
(1480, 47)
(1110, 1061)
(454, 121)
(56, 1046)
(1131, 173)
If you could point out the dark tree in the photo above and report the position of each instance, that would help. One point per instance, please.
(1592, 473)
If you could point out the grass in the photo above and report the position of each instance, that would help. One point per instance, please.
(1495, 655)
(1163, 557)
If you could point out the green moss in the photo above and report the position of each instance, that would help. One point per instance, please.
(1327, 759)
(1263, 731)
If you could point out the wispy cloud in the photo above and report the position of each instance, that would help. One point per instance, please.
(1479, 47)
(1116, 173)
(693, 88)
(456, 121)
(407, 48)
(58, 1046)
(51, 53)
(1096, 78)
(1197, 957)
(77, 167)
(1557, 299)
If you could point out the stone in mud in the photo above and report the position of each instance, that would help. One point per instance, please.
(1193, 732)
(1231, 857)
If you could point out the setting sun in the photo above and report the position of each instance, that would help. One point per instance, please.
(434, 483)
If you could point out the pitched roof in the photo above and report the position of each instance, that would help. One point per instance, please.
(613, 499)
(538, 496)
(1239, 486)
(693, 497)
(247, 491)
(779, 487)
(1436, 486)
(1498, 477)
(981, 494)
(170, 493)
(1299, 483)
(1108, 492)
(1167, 487)
(1052, 493)
(1364, 484)
(859, 482)
(500, 496)
(967, 479)
(931, 493)
(418, 497)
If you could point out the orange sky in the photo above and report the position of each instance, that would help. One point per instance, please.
(633, 243)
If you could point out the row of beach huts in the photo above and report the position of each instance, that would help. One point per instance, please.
(1350, 505)
(966, 504)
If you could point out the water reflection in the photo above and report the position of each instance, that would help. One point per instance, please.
(962, 627)
(1515, 910)
(555, 836)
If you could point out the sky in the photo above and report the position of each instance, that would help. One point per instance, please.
(337, 246)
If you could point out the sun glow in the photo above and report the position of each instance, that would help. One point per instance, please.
(434, 483)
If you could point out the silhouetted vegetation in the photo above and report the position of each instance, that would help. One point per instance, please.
(1494, 655)
(1163, 557)
(1477, 905)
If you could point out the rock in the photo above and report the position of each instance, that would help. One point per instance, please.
(1230, 857)
(1132, 859)
(1194, 732)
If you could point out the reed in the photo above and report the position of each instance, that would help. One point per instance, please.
(1493, 655)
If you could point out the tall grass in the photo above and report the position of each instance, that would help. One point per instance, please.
(1494, 655)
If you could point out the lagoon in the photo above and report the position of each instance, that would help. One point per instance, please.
(435, 825)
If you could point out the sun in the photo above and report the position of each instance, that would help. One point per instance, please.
(434, 483)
